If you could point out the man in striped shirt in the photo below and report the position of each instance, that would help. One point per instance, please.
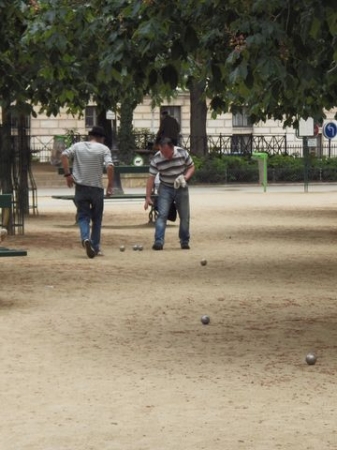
(88, 161)
(175, 167)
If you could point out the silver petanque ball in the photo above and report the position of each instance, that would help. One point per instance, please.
(122, 248)
(205, 319)
(311, 359)
(140, 247)
(135, 247)
(203, 262)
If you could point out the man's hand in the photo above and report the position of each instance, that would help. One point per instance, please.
(109, 191)
(70, 181)
(148, 201)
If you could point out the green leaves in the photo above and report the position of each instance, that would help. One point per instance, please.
(271, 55)
(170, 76)
(190, 39)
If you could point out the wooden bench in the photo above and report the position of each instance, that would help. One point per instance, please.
(6, 207)
(152, 213)
(118, 170)
(131, 169)
(11, 252)
(130, 172)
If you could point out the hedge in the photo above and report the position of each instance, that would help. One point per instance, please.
(243, 169)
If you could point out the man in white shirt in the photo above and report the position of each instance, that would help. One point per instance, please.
(88, 161)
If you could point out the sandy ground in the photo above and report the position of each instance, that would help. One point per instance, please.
(110, 353)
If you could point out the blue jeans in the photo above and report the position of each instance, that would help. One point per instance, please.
(90, 203)
(166, 195)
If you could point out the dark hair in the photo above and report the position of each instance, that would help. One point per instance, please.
(166, 141)
(97, 131)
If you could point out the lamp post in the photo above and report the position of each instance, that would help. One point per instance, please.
(110, 115)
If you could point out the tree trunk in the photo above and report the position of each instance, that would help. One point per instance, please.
(126, 138)
(24, 163)
(198, 119)
(6, 156)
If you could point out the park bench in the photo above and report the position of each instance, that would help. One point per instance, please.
(4, 251)
(6, 214)
(118, 170)
(152, 213)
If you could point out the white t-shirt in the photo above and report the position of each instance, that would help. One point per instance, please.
(88, 161)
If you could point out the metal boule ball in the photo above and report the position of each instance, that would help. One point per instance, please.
(122, 248)
(205, 319)
(203, 262)
(135, 247)
(140, 247)
(311, 359)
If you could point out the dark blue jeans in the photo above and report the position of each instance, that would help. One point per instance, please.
(166, 195)
(90, 203)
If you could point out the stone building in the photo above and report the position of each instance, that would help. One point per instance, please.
(237, 128)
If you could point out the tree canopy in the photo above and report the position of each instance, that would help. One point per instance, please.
(276, 57)
(284, 58)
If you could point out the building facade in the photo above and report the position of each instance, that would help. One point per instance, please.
(237, 128)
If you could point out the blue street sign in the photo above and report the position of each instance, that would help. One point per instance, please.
(329, 130)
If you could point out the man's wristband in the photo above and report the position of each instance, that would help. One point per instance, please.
(67, 174)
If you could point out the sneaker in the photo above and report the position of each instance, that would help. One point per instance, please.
(157, 246)
(185, 246)
(88, 248)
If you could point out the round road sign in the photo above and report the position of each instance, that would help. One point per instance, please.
(330, 129)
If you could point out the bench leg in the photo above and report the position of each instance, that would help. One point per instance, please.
(6, 216)
(3, 234)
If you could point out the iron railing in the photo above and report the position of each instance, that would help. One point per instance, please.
(42, 147)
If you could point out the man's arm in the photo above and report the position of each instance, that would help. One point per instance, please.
(66, 169)
(149, 190)
(110, 173)
(189, 172)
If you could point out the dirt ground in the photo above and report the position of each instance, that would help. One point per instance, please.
(110, 353)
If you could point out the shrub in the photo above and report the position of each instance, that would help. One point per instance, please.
(281, 168)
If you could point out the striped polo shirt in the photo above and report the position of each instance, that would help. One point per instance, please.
(88, 161)
(170, 169)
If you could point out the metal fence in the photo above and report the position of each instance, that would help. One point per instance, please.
(42, 147)
(271, 144)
